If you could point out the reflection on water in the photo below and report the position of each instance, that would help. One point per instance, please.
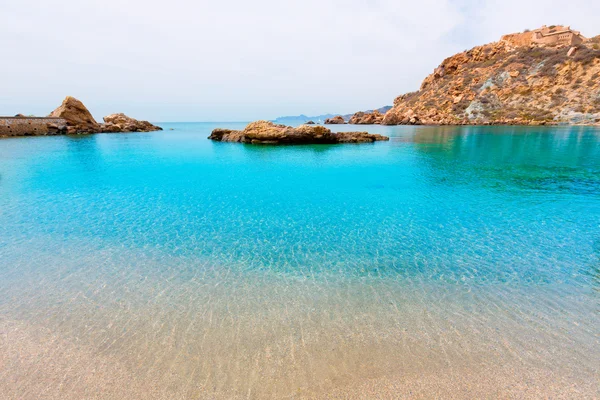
(448, 262)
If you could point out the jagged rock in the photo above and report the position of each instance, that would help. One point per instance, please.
(56, 129)
(363, 118)
(122, 123)
(266, 132)
(78, 118)
(111, 128)
(335, 120)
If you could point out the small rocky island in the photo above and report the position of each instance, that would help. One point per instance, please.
(337, 120)
(71, 117)
(266, 132)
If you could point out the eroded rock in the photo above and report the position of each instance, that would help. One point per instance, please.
(78, 117)
(122, 123)
(266, 132)
(337, 120)
(364, 118)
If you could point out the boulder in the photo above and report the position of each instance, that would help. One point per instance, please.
(266, 132)
(122, 123)
(111, 128)
(309, 123)
(337, 120)
(78, 118)
(366, 118)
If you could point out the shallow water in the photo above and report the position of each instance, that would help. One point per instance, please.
(447, 262)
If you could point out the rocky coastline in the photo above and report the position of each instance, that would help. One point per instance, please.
(266, 132)
(519, 80)
(70, 118)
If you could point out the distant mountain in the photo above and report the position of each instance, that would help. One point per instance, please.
(298, 119)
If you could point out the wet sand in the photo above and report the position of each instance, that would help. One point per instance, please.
(36, 364)
(215, 333)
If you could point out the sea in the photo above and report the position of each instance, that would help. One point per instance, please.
(449, 262)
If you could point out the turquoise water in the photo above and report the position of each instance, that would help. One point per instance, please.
(222, 269)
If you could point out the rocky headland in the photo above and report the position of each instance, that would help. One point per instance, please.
(266, 132)
(548, 76)
(71, 117)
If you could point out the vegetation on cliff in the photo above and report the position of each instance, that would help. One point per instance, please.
(508, 83)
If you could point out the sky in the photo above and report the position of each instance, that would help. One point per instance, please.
(237, 60)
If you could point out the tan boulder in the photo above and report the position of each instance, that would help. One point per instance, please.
(335, 120)
(363, 118)
(78, 117)
(266, 132)
(122, 123)
(356, 118)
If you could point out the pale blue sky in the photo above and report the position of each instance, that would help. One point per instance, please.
(245, 60)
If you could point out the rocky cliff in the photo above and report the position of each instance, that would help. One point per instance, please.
(511, 81)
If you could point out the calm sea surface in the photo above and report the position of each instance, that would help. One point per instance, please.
(447, 262)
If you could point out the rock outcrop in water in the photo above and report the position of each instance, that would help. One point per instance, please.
(337, 120)
(78, 117)
(122, 123)
(366, 118)
(266, 132)
(543, 77)
(80, 120)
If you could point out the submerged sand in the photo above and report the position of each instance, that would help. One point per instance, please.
(210, 332)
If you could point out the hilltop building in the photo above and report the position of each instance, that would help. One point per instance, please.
(554, 35)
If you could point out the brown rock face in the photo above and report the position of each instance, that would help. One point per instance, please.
(122, 123)
(362, 118)
(78, 118)
(509, 83)
(337, 120)
(266, 132)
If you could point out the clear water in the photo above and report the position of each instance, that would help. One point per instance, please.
(461, 261)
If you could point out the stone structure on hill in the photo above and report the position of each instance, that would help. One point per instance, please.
(266, 132)
(546, 36)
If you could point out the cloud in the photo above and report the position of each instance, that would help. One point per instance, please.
(240, 60)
